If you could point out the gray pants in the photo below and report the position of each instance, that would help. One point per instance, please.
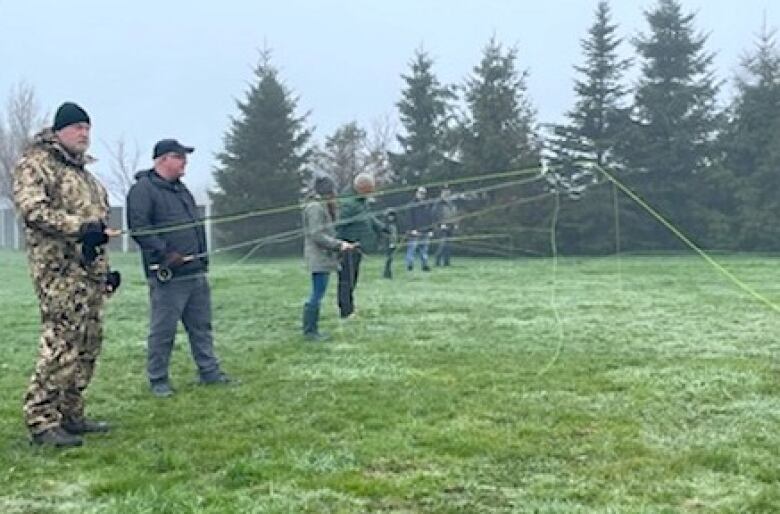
(187, 299)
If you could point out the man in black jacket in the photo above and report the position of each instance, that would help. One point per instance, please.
(175, 261)
(420, 229)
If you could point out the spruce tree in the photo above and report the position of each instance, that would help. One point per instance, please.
(675, 121)
(498, 135)
(596, 121)
(425, 111)
(592, 132)
(262, 164)
(752, 147)
(498, 130)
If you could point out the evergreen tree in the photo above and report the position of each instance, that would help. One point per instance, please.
(263, 160)
(674, 124)
(498, 135)
(498, 131)
(752, 147)
(592, 132)
(425, 112)
(596, 122)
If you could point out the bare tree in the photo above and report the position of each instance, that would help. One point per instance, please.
(121, 168)
(343, 154)
(352, 150)
(377, 145)
(22, 118)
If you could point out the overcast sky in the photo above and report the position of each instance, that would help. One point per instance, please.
(145, 70)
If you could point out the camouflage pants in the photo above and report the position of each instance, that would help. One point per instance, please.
(71, 339)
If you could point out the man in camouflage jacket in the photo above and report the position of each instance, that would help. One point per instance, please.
(64, 209)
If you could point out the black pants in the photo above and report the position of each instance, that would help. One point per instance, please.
(389, 253)
(348, 277)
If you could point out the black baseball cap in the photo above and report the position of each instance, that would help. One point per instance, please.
(165, 146)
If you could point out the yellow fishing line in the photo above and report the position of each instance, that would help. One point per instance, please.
(286, 208)
(739, 283)
(553, 289)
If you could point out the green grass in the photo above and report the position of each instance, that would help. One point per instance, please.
(665, 396)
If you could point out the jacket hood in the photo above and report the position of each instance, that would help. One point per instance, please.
(47, 141)
(157, 180)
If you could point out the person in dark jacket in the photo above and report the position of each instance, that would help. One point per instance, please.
(356, 225)
(391, 241)
(420, 229)
(446, 214)
(321, 249)
(158, 203)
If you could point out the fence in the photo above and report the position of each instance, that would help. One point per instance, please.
(12, 229)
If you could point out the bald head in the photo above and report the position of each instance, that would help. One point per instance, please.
(364, 184)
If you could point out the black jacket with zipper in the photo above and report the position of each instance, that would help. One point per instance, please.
(155, 203)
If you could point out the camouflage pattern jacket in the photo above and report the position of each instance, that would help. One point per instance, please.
(55, 194)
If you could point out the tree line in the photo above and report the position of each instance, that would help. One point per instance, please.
(709, 169)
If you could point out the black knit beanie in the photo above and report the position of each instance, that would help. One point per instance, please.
(324, 185)
(68, 114)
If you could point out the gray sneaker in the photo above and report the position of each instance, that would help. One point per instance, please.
(161, 389)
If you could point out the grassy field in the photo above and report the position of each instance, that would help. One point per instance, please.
(446, 395)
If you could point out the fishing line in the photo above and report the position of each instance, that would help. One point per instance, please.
(216, 220)
(553, 290)
(739, 283)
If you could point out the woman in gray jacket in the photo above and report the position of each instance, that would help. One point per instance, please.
(321, 249)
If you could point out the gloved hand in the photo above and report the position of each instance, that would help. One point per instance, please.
(91, 235)
(174, 260)
(113, 281)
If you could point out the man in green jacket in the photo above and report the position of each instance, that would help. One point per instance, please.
(356, 225)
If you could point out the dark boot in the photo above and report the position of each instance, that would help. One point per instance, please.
(85, 426)
(161, 388)
(56, 437)
(311, 319)
(219, 378)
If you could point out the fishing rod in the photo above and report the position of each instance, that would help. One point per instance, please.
(286, 208)
(164, 272)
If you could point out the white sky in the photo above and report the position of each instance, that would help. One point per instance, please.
(146, 70)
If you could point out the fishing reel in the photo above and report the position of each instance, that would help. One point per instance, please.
(162, 272)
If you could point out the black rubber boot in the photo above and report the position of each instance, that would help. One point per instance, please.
(85, 426)
(56, 437)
